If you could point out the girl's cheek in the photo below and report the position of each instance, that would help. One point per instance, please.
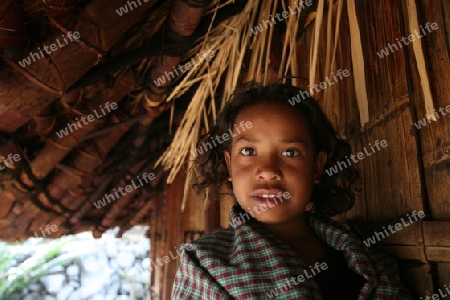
(240, 170)
(242, 161)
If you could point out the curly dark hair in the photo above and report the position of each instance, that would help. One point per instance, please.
(332, 196)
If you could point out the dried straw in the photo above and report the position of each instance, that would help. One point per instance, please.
(260, 44)
(229, 41)
(289, 61)
(315, 45)
(359, 75)
(420, 59)
(330, 99)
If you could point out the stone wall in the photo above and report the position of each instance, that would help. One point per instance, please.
(105, 269)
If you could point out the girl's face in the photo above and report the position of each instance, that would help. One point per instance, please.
(272, 164)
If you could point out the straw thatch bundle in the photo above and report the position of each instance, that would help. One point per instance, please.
(230, 41)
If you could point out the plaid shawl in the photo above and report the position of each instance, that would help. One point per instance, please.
(249, 262)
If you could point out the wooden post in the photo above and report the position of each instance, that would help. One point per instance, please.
(212, 210)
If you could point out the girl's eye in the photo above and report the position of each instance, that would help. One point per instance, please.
(290, 153)
(247, 151)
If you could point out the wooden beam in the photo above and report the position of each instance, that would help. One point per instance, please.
(175, 192)
(183, 20)
(427, 241)
(25, 91)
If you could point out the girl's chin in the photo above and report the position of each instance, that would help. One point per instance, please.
(271, 221)
(279, 218)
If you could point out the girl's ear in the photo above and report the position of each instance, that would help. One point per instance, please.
(228, 161)
(320, 162)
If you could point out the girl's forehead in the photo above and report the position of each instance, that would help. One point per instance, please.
(269, 110)
(274, 118)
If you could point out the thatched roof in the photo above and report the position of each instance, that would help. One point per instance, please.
(136, 59)
(63, 61)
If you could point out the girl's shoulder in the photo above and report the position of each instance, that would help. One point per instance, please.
(218, 241)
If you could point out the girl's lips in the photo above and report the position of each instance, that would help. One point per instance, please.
(261, 196)
(260, 192)
(264, 200)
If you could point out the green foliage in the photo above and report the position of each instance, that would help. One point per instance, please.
(5, 260)
(12, 280)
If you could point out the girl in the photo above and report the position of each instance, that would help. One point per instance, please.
(282, 243)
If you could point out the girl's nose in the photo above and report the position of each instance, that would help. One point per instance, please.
(268, 170)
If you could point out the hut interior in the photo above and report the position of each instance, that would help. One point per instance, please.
(97, 94)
